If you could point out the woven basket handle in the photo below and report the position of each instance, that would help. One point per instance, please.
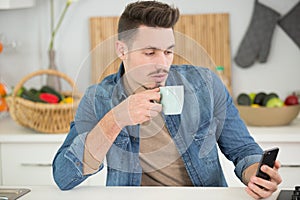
(41, 72)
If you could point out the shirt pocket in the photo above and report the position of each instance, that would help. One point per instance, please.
(205, 139)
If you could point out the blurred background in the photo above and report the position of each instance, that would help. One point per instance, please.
(26, 34)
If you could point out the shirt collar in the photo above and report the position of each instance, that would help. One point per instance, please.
(119, 92)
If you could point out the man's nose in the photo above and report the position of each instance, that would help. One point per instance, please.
(162, 59)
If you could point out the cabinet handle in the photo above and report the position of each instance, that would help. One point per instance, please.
(291, 166)
(36, 164)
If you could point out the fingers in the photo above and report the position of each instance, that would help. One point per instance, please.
(155, 107)
(257, 192)
(267, 187)
(153, 94)
(252, 194)
(152, 114)
(147, 102)
(139, 108)
(148, 99)
(273, 172)
(277, 165)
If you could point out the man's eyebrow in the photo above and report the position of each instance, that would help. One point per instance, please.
(154, 48)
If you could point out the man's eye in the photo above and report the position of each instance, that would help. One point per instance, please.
(149, 53)
(168, 52)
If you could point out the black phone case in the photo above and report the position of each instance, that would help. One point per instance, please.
(268, 158)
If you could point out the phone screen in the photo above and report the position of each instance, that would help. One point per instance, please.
(268, 158)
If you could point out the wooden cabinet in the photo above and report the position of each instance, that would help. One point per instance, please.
(26, 156)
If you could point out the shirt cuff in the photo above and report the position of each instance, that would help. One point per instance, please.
(244, 163)
(75, 152)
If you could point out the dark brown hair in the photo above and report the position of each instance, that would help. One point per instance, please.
(148, 13)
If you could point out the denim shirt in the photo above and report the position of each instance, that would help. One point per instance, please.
(209, 121)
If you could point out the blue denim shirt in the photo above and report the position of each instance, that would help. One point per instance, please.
(209, 121)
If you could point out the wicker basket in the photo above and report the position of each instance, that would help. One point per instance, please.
(44, 118)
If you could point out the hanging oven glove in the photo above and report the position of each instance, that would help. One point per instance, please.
(291, 25)
(257, 40)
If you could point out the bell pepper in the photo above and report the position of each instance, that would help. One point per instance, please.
(68, 100)
(49, 98)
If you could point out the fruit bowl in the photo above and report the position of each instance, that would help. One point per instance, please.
(264, 116)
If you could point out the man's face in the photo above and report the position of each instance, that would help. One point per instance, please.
(149, 57)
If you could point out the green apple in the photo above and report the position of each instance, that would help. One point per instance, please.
(252, 96)
(274, 102)
(268, 97)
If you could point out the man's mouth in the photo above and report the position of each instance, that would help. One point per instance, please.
(159, 77)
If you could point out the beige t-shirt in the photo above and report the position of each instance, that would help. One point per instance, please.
(161, 163)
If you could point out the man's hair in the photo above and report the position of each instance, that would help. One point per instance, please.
(148, 13)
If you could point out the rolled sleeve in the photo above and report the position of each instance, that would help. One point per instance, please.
(244, 163)
(75, 152)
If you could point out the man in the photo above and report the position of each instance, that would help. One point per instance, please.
(121, 119)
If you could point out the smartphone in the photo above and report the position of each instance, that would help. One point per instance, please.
(268, 158)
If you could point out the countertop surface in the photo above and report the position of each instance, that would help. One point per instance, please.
(138, 193)
(10, 131)
(288, 133)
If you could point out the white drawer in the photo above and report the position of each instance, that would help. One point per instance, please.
(31, 164)
(28, 164)
(290, 177)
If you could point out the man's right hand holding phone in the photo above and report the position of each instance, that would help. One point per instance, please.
(262, 178)
(267, 186)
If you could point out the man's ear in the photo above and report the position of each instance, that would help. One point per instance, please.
(121, 49)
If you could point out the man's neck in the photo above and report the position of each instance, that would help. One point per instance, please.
(131, 87)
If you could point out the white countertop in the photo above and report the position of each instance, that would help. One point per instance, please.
(139, 193)
(289, 133)
(10, 131)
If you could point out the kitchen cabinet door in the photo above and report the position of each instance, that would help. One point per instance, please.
(28, 163)
(24, 164)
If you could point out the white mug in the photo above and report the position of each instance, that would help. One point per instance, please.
(172, 98)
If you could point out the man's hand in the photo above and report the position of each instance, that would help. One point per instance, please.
(268, 186)
(138, 108)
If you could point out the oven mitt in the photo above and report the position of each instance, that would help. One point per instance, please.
(291, 25)
(257, 40)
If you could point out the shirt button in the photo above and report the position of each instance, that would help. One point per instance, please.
(77, 163)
